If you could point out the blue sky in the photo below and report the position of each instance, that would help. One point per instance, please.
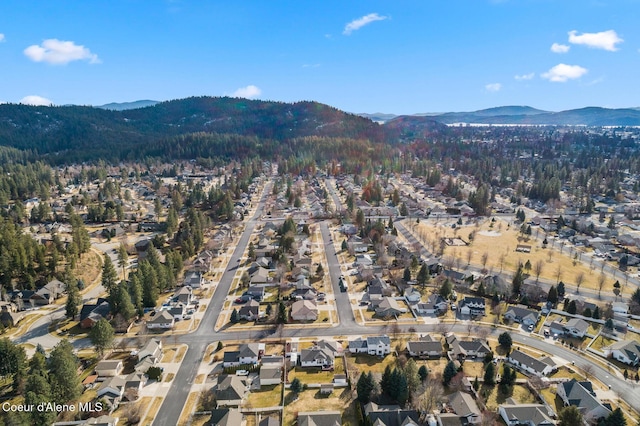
(403, 56)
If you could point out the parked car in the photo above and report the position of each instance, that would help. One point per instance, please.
(242, 372)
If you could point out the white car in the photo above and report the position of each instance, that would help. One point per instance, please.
(242, 372)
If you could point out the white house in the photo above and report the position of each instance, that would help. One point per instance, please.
(372, 345)
(538, 366)
(626, 351)
(162, 320)
(581, 395)
(474, 306)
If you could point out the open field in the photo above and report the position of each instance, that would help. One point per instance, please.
(554, 258)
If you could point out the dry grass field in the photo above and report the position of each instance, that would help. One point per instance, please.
(311, 400)
(498, 242)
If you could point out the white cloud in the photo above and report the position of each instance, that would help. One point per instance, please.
(563, 72)
(525, 76)
(606, 40)
(35, 100)
(560, 48)
(1, 37)
(356, 24)
(248, 92)
(493, 87)
(60, 52)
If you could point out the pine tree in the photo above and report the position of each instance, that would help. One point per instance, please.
(490, 375)
(406, 275)
(385, 380)
(516, 283)
(423, 275)
(552, 296)
(423, 372)
(234, 316)
(570, 416)
(63, 373)
(109, 276)
(296, 386)
(73, 299)
(101, 335)
(449, 373)
(282, 313)
(365, 387)
(505, 341)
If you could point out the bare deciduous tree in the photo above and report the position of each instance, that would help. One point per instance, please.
(558, 273)
(432, 392)
(601, 280)
(538, 267)
(579, 281)
(484, 259)
(469, 256)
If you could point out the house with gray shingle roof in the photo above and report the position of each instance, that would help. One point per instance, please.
(581, 395)
(538, 366)
(515, 414)
(522, 315)
(626, 351)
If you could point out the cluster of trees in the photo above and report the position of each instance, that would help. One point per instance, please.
(397, 384)
(40, 379)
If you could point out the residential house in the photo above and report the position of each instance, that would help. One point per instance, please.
(372, 345)
(322, 354)
(435, 305)
(270, 375)
(515, 414)
(465, 407)
(576, 327)
(363, 260)
(319, 418)
(472, 306)
(178, 311)
(538, 366)
(247, 353)
(230, 391)
(256, 292)
(193, 279)
(268, 421)
(425, 348)
(112, 389)
(152, 351)
(411, 295)
(626, 351)
(163, 320)
(581, 395)
(390, 415)
(522, 315)
(467, 348)
(203, 262)
(133, 385)
(91, 313)
(304, 310)
(225, 417)
(47, 294)
(389, 307)
(183, 295)
(250, 311)
(260, 277)
(109, 368)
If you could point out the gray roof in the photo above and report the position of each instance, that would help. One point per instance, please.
(424, 346)
(320, 418)
(269, 421)
(230, 388)
(630, 348)
(226, 417)
(463, 404)
(580, 394)
(525, 413)
(536, 364)
(578, 324)
(270, 372)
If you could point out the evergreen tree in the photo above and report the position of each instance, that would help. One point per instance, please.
(38, 390)
(73, 299)
(135, 291)
(234, 316)
(365, 387)
(63, 373)
(101, 335)
(344, 245)
(385, 381)
(14, 362)
(282, 313)
(518, 280)
(616, 418)
(571, 307)
(123, 258)
(406, 275)
(552, 296)
(570, 416)
(561, 290)
(423, 373)
(410, 371)
(423, 275)
(109, 277)
(505, 341)
(446, 289)
(123, 303)
(296, 386)
(449, 373)
(490, 375)
(596, 313)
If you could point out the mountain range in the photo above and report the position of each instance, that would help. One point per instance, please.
(525, 115)
(146, 128)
